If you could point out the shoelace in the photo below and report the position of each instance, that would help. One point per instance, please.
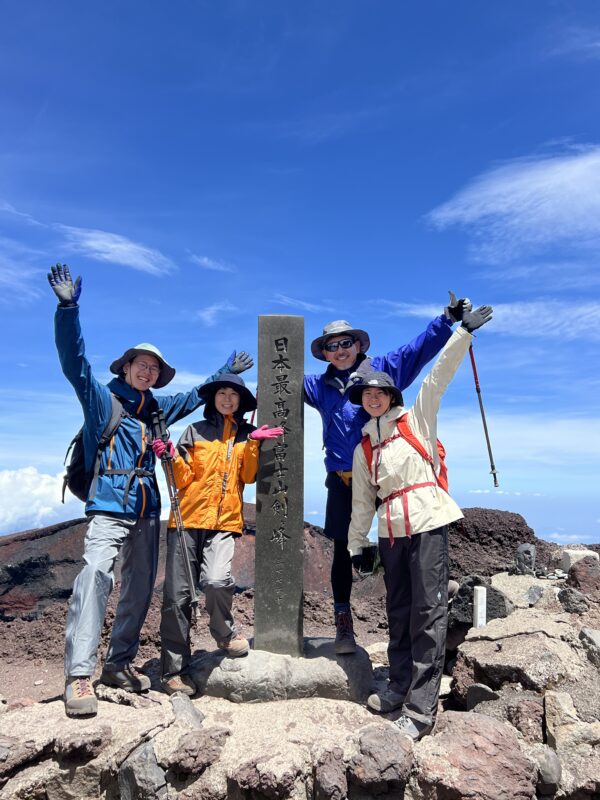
(82, 687)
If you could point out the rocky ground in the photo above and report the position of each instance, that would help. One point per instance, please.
(519, 717)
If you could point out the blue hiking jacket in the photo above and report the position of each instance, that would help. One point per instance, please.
(343, 421)
(130, 446)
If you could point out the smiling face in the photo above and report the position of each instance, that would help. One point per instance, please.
(342, 357)
(142, 372)
(376, 401)
(227, 401)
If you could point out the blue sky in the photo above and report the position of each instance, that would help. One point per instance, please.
(203, 163)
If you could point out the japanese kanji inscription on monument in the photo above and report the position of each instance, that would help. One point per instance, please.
(280, 488)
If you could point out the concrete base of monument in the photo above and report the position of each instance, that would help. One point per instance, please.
(261, 676)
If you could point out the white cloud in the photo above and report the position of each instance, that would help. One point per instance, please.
(530, 205)
(18, 283)
(570, 538)
(580, 43)
(116, 249)
(211, 263)
(284, 300)
(31, 499)
(536, 319)
(213, 314)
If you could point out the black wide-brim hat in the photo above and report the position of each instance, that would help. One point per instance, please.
(376, 380)
(230, 381)
(167, 372)
(338, 328)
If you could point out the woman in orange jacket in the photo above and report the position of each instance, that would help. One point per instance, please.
(213, 461)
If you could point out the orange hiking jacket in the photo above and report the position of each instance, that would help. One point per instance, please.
(215, 460)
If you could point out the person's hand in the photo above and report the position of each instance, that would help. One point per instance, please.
(456, 309)
(161, 448)
(264, 432)
(239, 362)
(62, 285)
(475, 319)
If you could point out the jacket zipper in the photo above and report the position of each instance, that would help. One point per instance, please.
(227, 460)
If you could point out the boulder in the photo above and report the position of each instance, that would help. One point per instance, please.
(525, 591)
(471, 756)
(460, 615)
(529, 648)
(577, 744)
(140, 777)
(590, 639)
(383, 764)
(572, 601)
(263, 676)
(549, 769)
(330, 781)
(585, 576)
(571, 557)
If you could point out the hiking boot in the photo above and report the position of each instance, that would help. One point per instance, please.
(80, 698)
(235, 647)
(411, 727)
(385, 701)
(127, 678)
(344, 633)
(178, 683)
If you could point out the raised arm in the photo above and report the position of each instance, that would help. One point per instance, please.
(423, 414)
(94, 397)
(405, 363)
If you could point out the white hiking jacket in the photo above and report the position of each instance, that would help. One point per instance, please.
(400, 466)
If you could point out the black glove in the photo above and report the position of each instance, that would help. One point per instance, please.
(357, 561)
(62, 285)
(475, 319)
(456, 309)
(239, 362)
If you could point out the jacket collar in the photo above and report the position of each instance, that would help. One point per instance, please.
(132, 398)
(340, 379)
(387, 423)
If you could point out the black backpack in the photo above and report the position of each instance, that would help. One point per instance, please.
(81, 483)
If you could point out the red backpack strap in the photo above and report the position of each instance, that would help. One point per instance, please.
(405, 431)
(368, 451)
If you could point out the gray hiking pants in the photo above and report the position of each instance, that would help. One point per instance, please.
(137, 540)
(210, 553)
(416, 580)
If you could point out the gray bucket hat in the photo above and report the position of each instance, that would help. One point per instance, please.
(337, 328)
(232, 381)
(166, 374)
(377, 380)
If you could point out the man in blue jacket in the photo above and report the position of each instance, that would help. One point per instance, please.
(123, 504)
(345, 347)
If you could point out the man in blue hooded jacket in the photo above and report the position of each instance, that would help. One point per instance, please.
(123, 504)
(344, 348)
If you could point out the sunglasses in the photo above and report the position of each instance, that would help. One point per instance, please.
(345, 344)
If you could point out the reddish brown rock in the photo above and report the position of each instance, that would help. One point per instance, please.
(330, 782)
(475, 756)
(197, 750)
(527, 717)
(584, 575)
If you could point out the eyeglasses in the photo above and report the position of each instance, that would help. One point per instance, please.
(345, 344)
(151, 368)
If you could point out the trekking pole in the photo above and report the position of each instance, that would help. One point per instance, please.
(159, 431)
(485, 429)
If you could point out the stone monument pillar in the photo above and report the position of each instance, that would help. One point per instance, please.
(278, 592)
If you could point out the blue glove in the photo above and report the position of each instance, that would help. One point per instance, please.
(239, 362)
(62, 285)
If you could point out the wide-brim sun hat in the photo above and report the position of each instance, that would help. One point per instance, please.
(167, 372)
(376, 380)
(231, 381)
(338, 328)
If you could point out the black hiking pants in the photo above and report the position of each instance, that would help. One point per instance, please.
(416, 580)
